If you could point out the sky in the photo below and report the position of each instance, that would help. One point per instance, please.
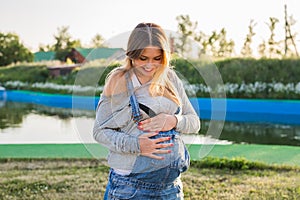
(36, 21)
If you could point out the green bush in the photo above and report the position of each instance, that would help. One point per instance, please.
(262, 70)
(25, 73)
(235, 164)
(263, 75)
(239, 70)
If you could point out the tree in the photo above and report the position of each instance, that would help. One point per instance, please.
(98, 41)
(273, 50)
(246, 50)
(216, 45)
(262, 49)
(186, 29)
(289, 37)
(225, 48)
(201, 38)
(12, 50)
(64, 43)
(45, 48)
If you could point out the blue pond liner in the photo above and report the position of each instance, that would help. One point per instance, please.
(53, 100)
(250, 110)
(237, 110)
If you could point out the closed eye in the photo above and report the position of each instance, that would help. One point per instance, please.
(157, 58)
(142, 58)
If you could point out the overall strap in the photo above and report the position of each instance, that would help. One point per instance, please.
(137, 116)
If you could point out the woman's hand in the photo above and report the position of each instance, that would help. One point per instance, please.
(150, 147)
(161, 122)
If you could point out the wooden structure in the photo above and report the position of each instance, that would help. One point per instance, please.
(61, 70)
(78, 56)
(75, 56)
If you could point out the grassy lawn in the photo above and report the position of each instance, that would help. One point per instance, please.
(86, 179)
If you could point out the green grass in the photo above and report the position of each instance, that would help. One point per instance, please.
(86, 179)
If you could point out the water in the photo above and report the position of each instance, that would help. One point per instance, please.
(30, 123)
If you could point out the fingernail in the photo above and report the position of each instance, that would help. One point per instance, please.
(139, 123)
(171, 144)
(169, 151)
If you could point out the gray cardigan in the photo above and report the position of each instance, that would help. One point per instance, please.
(115, 129)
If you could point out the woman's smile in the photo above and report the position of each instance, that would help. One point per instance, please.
(149, 68)
(147, 63)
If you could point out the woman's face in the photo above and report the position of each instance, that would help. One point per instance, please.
(148, 62)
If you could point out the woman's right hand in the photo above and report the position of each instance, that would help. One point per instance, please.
(150, 147)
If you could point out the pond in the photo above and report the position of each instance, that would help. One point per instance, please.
(31, 123)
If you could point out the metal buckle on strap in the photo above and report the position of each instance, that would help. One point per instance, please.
(137, 118)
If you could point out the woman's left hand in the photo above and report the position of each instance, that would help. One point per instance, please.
(161, 122)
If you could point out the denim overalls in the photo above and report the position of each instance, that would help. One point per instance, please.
(151, 178)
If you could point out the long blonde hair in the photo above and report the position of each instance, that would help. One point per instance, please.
(150, 34)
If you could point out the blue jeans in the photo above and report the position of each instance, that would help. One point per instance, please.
(151, 178)
(138, 187)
